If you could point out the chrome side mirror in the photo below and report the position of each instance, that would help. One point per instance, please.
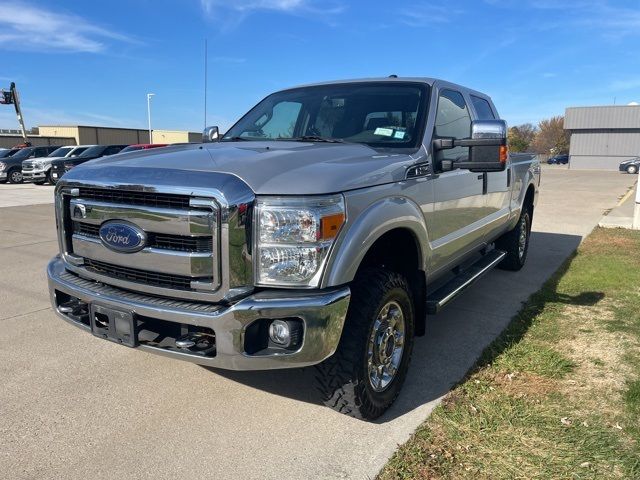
(211, 134)
(488, 146)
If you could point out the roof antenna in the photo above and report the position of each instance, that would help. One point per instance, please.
(393, 76)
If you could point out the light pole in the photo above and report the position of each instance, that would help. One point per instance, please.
(149, 95)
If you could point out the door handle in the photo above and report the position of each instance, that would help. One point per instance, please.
(481, 176)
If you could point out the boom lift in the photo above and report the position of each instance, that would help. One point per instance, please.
(11, 97)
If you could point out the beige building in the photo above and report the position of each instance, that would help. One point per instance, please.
(89, 135)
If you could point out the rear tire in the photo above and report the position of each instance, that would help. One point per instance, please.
(14, 175)
(632, 169)
(516, 242)
(365, 375)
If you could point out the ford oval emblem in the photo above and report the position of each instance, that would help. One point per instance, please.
(122, 236)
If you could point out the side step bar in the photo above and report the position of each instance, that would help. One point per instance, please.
(458, 284)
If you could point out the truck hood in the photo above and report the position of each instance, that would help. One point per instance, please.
(274, 168)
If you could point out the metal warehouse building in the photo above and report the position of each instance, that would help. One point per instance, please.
(602, 137)
(89, 135)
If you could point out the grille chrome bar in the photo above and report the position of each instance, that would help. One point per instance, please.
(190, 264)
(129, 197)
(151, 219)
(155, 240)
(139, 276)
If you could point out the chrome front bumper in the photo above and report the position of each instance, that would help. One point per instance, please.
(3, 175)
(322, 312)
(33, 175)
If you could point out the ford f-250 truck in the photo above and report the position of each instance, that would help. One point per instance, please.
(320, 230)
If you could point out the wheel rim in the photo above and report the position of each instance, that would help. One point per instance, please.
(631, 169)
(386, 346)
(16, 177)
(522, 240)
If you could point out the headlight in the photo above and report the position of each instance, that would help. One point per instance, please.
(38, 165)
(2, 166)
(294, 236)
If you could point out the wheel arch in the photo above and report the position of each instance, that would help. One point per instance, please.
(390, 234)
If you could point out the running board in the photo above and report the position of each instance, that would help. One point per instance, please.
(458, 284)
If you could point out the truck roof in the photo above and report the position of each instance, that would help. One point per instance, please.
(395, 79)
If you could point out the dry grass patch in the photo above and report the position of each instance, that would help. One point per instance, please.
(557, 395)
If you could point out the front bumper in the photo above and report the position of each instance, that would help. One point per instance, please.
(34, 175)
(3, 175)
(323, 314)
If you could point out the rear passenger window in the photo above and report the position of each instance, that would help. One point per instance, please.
(452, 121)
(483, 109)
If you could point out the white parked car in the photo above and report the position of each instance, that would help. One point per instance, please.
(37, 170)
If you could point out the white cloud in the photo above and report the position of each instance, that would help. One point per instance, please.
(233, 13)
(30, 27)
(210, 6)
(625, 84)
(420, 15)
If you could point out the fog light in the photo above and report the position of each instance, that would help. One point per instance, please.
(280, 333)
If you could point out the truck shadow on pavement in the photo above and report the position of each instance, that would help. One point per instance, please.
(457, 337)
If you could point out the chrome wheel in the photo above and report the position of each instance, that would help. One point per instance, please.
(522, 239)
(386, 346)
(632, 169)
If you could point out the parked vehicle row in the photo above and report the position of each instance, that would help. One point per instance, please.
(40, 165)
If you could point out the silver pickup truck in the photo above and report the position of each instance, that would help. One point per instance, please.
(320, 230)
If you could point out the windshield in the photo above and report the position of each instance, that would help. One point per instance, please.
(7, 153)
(60, 152)
(78, 151)
(131, 148)
(92, 151)
(385, 114)
(22, 153)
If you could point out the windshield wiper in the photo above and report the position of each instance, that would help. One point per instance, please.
(314, 138)
(235, 139)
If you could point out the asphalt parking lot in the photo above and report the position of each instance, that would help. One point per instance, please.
(76, 407)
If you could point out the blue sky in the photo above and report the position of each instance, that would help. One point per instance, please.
(92, 62)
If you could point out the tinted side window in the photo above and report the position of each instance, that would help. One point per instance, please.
(483, 109)
(452, 121)
(111, 150)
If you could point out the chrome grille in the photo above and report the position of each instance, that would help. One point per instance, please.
(27, 166)
(180, 258)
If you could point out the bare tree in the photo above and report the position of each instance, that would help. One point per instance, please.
(551, 138)
(521, 137)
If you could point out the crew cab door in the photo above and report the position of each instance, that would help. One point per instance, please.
(497, 193)
(456, 224)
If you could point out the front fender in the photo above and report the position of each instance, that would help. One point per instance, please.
(368, 226)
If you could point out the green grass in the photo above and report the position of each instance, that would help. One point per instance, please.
(557, 394)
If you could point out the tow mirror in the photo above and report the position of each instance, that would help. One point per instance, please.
(211, 134)
(487, 144)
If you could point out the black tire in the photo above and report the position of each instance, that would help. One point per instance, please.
(344, 378)
(512, 243)
(632, 169)
(14, 175)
